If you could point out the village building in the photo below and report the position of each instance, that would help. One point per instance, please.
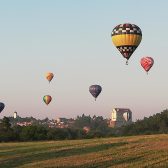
(15, 114)
(120, 117)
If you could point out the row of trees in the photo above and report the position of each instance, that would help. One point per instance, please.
(98, 127)
(156, 124)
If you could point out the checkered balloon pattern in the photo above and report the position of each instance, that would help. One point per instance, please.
(126, 29)
(126, 37)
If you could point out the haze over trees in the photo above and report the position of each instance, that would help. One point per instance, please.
(95, 126)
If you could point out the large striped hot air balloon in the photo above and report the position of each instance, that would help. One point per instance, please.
(49, 76)
(147, 63)
(126, 37)
(47, 99)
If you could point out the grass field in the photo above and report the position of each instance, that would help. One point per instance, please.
(136, 151)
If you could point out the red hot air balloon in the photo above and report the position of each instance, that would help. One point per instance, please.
(147, 63)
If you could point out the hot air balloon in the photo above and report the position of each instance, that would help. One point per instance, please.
(127, 116)
(2, 106)
(147, 63)
(95, 90)
(126, 37)
(47, 99)
(49, 76)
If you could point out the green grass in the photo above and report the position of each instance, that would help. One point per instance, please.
(134, 152)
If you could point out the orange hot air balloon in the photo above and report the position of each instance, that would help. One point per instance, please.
(49, 76)
(47, 99)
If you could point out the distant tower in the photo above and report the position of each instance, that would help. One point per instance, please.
(15, 114)
(120, 117)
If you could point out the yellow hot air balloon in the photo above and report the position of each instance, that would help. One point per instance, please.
(47, 99)
(49, 76)
(126, 37)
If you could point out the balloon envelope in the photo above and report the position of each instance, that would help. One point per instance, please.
(126, 38)
(47, 99)
(2, 106)
(95, 90)
(147, 63)
(49, 76)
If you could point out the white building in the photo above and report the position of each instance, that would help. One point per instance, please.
(15, 114)
(120, 116)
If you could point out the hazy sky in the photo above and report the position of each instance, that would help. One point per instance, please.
(72, 39)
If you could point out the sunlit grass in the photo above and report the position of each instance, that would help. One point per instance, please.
(135, 151)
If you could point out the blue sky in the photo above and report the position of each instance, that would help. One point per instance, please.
(72, 40)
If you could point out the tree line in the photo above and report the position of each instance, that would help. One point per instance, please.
(156, 124)
(97, 127)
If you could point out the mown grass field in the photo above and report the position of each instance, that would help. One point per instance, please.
(136, 151)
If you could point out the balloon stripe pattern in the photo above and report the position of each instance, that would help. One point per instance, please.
(126, 37)
(147, 63)
(47, 99)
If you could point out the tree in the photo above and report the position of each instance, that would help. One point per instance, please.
(6, 133)
(6, 123)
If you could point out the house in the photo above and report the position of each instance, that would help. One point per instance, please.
(24, 123)
(120, 117)
(64, 122)
(61, 120)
